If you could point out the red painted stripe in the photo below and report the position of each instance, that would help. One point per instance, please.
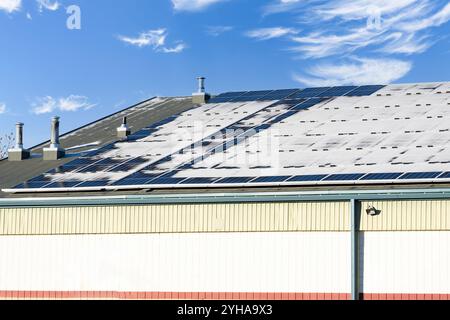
(61, 295)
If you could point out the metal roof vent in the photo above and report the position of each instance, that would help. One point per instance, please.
(18, 153)
(123, 131)
(55, 151)
(200, 96)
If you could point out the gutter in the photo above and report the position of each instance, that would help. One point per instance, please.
(364, 195)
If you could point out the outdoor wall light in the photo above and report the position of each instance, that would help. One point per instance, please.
(372, 211)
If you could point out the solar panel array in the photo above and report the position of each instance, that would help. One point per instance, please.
(145, 160)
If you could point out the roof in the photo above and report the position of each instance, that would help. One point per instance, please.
(90, 137)
(300, 138)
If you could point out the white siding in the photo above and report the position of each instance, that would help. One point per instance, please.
(236, 262)
(405, 262)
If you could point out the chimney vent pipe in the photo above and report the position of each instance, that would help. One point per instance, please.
(18, 153)
(200, 96)
(123, 131)
(19, 135)
(201, 84)
(54, 152)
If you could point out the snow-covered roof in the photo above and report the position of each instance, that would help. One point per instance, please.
(385, 134)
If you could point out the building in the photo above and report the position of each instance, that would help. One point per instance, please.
(320, 193)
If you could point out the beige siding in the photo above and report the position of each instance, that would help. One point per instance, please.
(249, 217)
(426, 215)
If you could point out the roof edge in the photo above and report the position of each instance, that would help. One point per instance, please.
(381, 194)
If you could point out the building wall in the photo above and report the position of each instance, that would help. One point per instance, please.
(282, 263)
(295, 250)
(244, 217)
(405, 265)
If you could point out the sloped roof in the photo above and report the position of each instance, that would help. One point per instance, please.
(90, 137)
(396, 134)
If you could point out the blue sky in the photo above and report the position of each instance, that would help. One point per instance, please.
(127, 51)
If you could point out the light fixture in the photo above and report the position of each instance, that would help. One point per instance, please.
(372, 211)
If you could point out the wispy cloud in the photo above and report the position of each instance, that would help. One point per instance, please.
(393, 27)
(2, 108)
(10, 5)
(176, 49)
(48, 5)
(153, 38)
(279, 6)
(71, 103)
(193, 5)
(384, 30)
(357, 71)
(216, 31)
(156, 39)
(270, 33)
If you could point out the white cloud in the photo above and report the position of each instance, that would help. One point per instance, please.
(279, 6)
(2, 108)
(392, 27)
(216, 31)
(74, 103)
(193, 5)
(44, 105)
(48, 5)
(71, 103)
(10, 5)
(436, 20)
(155, 39)
(177, 49)
(270, 33)
(358, 71)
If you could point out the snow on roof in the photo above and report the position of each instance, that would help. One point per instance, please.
(398, 129)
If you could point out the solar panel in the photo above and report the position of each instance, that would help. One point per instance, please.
(41, 178)
(94, 168)
(308, 104)
(445, 175)
(256, 94)
(337, 91)
(290, 102)
(307, 178)
(226, 97)
(281, 94)
(232, 180)
(131, 182)
(63, 184)
(32, 185)
(271, 179)
(381, 176)
(199, 180)
(283, 116)
(364, 91)
(83, 161)
(232, 94)
(63, 169)
(166, 180)
(262, 127)
(96, 183)
(309, 93)
(219, 100)
(344, 177)
(420, 175)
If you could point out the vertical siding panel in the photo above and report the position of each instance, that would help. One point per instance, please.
(411, 215)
